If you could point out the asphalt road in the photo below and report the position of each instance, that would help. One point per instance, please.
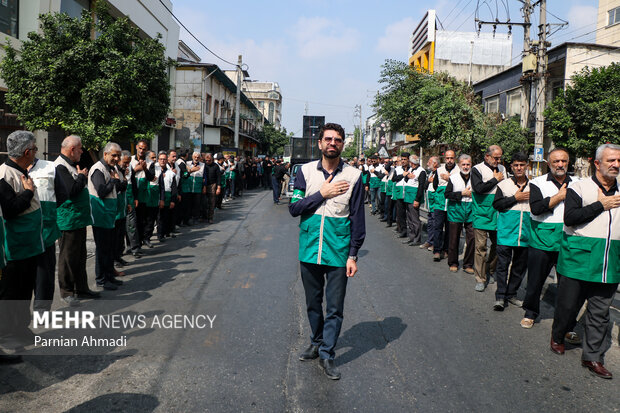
(415, 336)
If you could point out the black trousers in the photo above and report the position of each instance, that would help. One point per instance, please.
(131, 231)
(164, 222)
(194, 201)
(390, 211)
(539, 265)
(453, 246)
(72, 276)
(141, 219)
(401, 217)
(571, 295)
(185, 210)
(211, 200)
(507, 287)
(104, 254)
(16, 288)
(149, 226)
(381, 204)
(119, 238)
(441, 230)
(45, 283)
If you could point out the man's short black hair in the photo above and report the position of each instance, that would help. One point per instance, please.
(405, 154)
(374, 157)
(331, 126)
(519, 157)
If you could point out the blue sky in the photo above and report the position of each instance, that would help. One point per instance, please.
(329, 53)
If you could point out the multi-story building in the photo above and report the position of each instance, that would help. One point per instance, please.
(608, 22)
(467, 56)
(19, 17)
(266, 96)
(204, 109)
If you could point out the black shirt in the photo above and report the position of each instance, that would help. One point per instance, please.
(12, 203)
(574, 211)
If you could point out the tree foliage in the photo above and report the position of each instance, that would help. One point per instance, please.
(586, 114)
(272, 141)
(112, 86)
(441, 109)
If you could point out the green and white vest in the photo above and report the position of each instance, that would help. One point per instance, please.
(513, 225)
(23, 237)
(591, 251)
(389, 186)
(141, 182)
(375, 182)
(121, 197)
(485, 216)
(103, 210)
(439, 197)
(398, 191)
(325, 235)
(411, 186)
(43, 174)
(430, 193)
(195, 178)
(383, 183)
(548, 228)
(460, 211)
(74, 213)
(169, 178)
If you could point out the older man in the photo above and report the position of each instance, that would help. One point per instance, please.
(103, 187)
(440, 223)
(143, 173)
(73, 216)
(589, 259)
(484, 179)
(24, 242)
(123, 197)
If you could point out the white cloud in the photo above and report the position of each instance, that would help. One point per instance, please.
(322, 37)
(395, 40)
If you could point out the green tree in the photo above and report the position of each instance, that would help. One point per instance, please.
(272, 141)
(112, 86)
(506, 133)
(586, 114)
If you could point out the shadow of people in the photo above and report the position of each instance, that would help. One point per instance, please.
(369, 335)
(118, 402)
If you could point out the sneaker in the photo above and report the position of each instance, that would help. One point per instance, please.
(468, 270)
(527, 323)
(479, 287)
(454, 269)
(436, 257)
(572, 338)
(514, 301)
(71, 301)
(425, 245)
(431, 248)
(499, 305)
(491, 279)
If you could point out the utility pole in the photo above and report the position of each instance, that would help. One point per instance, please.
(526, 86)
(541, 75)
(358, 112)
(238, 104)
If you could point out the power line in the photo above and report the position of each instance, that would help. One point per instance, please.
(453, 8)
(192, 34)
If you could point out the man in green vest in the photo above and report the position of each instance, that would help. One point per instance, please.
(73, 216)
(23, 222)
(589, 259)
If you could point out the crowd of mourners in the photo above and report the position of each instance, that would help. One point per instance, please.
(129, 201)
(514, 224)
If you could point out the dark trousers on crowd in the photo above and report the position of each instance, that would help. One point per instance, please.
(149, 226)
(131, 231)
(72, 262)
(389, 208)
(482, 262)
(325, 328)
(104, 254)
(430, 228)
(454, 243)
(441, 238)
(203, 206)
(571, 295)
(194, 201)
(45, 283)
(401, 218)
(539, 265)
(275, 185)
(16, 287)
(374, 199)
(211, 200)
(120, 226)
(164, 222)
(414, 225)
(381, 204)
(507, 287)
(219, 198)
(185, 210)
(141, 220)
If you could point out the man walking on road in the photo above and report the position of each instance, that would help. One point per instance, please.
(329, 197)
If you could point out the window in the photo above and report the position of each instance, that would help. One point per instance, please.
(9, 17)
(208, 104)
(513, 103)
(491, 105)
(261, 105)
(272, 109)
(614, 16)
(74, 8)
(216, 108)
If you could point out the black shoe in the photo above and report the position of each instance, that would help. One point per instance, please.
(161, 239)
(107, 286)
(383, 220)
(88, 294)
(137, 254)
(406, 241)
(401, 235)
(413, 243)
(115, 281)
(310, 353)
(10, 359)
(388, 226)
(120, 262)
(330, 369)
(148, 243)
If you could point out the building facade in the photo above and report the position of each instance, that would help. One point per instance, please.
(19, 17)
(608, 22)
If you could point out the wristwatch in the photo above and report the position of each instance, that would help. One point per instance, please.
(353, 257)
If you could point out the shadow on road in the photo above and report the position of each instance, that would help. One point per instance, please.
(118, 402)
(369, 335)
